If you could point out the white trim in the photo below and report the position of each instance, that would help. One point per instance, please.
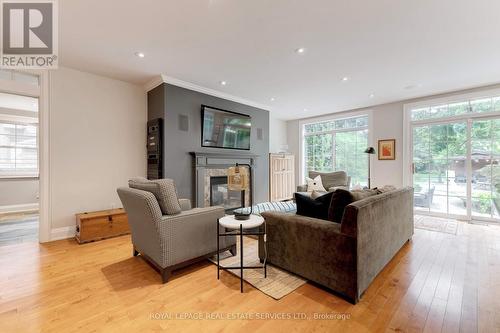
(19, 208)
(24, 176)
(340, 115)
(62, 233)
(18, 119)
(153, 83)
(44, 158)
(407, 147)
(212, 92)
(19, 88)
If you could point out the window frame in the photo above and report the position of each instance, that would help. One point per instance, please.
(332, 117)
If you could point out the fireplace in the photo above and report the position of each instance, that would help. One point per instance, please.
(221, 196)
(210, 177)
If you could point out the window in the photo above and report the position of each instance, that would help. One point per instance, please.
(18, 102)
(336, 145)
(18, 150)
(22, 77)
(474, 106)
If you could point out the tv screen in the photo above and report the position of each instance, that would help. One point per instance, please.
(225, 129)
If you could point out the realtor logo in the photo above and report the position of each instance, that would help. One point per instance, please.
(29, 34)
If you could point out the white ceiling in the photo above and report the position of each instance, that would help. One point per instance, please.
(395, 49)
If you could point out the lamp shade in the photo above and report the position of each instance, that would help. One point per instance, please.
(237, 178)
(370, 150)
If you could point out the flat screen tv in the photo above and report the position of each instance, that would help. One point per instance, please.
(225, 129)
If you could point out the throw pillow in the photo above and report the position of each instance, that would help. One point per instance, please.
(315, 184)
(317, 208)
(362, 194)
(340, 199)
(164, 191)
(316, 194)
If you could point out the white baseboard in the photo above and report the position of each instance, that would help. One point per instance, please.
(62, 233)
(19, 208)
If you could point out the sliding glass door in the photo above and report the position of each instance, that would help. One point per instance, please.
(455, 168)
(439, 163)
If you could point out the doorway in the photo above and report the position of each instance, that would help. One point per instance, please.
(19, 157)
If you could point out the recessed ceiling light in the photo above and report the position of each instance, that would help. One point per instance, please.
(305, 110)
(345, 78)
(223, 83)
(273, 99)
(372, 95)
(140, 54)
(300, 50)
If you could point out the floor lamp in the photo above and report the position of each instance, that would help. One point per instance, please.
(370, 151)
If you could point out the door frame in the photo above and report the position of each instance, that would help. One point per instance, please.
(42, 93)
(408, 125)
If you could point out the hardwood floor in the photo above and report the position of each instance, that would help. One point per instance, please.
(437, 282)
(18, 228)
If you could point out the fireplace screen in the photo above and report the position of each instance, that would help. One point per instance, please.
(221, 196)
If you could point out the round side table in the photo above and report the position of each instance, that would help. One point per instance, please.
(237, 228)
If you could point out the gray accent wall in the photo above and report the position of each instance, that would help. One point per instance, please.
(171, 102)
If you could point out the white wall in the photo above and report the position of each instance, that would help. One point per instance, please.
(97, 142)
(277, 134)
(387, 123)
(18, 193)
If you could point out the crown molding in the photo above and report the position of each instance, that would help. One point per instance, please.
(153, 83)
(162, 78)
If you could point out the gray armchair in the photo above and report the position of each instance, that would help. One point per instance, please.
(424, 199)
(331, 180)
(169, 242)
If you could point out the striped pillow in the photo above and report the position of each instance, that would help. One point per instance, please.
(275, 206)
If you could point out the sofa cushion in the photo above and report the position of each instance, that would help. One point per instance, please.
(315, 184)
(340, 199)
(317, 208)
(164, 191)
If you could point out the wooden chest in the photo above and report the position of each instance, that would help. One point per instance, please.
(100, 225)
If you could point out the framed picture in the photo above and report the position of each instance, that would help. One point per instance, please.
(387, 149)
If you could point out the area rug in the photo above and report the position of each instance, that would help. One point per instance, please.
(278, 283)
(438, 224)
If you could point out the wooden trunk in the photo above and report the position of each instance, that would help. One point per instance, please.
(281, 177)
(101, 225)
